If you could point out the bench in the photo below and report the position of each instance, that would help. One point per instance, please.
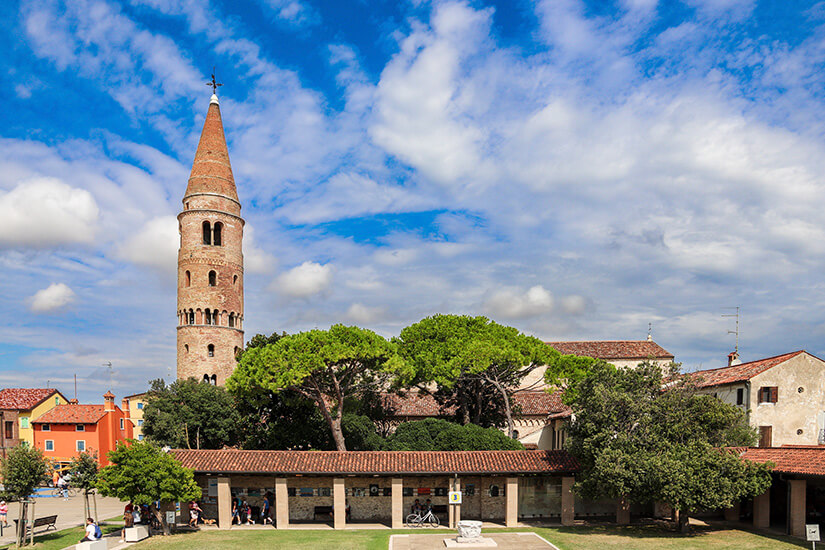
(101, 544)
(322, 510)
(137, 533)
(48, 521)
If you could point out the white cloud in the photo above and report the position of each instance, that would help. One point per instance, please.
(294, 12)
(154, 245)
(46, 212)
(513, 304)
(363, 315)
(255, 260)
(52, 298)
(305, 280)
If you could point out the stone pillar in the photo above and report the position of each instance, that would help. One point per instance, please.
(339, 503)
(568, 512)
(224, 504)
(623, 511)
(762, 510)
(734, 512)
(454, 510)
(281, 504)
(796, 521)
(397, 503)
(511, 510)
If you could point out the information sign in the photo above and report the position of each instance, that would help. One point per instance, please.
(455, 497)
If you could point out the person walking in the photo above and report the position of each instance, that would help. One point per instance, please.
(55, 477)
(4, 512)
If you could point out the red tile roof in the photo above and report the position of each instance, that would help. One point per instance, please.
(72, 414)
(790, 460)
(376, 462)
(739, 373)
(618, 349)
(24, 399)
(420, 405)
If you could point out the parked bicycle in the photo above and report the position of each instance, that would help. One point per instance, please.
(426, 520)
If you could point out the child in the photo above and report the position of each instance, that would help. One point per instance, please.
(128, 521)
(4, 511)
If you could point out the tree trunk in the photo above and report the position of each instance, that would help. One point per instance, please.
(94, 499)
(464, 404)
(31, 531)
(338, 433)
(507, 410)
(21, 523)
(85, 504)
(684, 525)
(161, 516)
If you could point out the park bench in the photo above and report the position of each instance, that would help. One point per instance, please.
(322, 510)
(48, 521)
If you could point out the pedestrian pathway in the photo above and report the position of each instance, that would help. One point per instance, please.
(504, 541)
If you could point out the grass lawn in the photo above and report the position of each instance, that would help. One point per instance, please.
(57, 540)
(578, 538)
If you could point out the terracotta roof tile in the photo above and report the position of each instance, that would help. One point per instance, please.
(615, 349)
(790, 460)
(420, 405)
(739, 373)
(72, 414)
(376, 462)
(24, 398)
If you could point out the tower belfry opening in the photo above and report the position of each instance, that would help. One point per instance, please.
(210, 260)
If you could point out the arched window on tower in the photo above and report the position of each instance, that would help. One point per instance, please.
(234, 279)
(213, 278)
(216, 239)
(214, 380)
(206, 378)
(232, 320)
(207, 233)
(186, 348)
(210, 350)
(215, 317)
(187, 278)
(207, 317)
(191, 317)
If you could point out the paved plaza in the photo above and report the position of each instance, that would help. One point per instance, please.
(69, 513)
(504, 541)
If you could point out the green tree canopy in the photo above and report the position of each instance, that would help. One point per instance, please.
(23, 469)
(440, 435)
(455, 350)
(637, 439)
(326, 366)
(191, 414)
(143, 473)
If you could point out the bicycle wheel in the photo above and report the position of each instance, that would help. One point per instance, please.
(432, 520)
(72, 492)
(413, 520)
(56, 492)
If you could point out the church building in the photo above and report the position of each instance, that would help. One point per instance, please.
(210, 261)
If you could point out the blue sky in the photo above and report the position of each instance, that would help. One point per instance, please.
(575, 169)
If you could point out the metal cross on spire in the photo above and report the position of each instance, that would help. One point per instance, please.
(214, 84)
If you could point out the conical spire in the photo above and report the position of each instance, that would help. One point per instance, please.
(211, 170)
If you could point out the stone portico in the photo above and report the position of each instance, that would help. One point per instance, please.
(381, 487)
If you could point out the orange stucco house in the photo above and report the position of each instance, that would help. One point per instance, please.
(67, 430)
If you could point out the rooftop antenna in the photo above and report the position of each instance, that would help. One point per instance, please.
(75, 387)
(215, 85)
(111, 372)
(736, 332)
(650, 332)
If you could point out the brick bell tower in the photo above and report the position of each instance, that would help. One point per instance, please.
(210, 261)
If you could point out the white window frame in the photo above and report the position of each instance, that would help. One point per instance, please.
(140, 423)
(24, 422)
(80, 427)
(140, 405)
(46, 428)
(77, 445)
(140, 437)
(49, 443)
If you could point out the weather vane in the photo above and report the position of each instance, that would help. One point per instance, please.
(214, 84)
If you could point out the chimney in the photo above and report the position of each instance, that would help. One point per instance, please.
(124, 406)
(733, 359)
(72, 401)
(108, 401)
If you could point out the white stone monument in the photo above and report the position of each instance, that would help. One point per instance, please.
(469, 536)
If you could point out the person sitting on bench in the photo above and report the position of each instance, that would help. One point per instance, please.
(93, 532)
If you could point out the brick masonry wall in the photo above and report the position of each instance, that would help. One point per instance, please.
(194, 292)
